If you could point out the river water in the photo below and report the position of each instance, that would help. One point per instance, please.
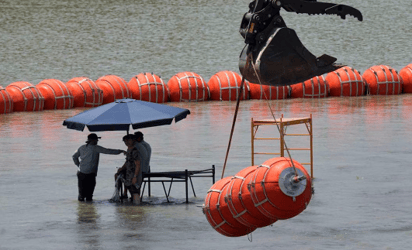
(362, 145)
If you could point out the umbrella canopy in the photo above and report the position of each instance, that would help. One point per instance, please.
(119, 115)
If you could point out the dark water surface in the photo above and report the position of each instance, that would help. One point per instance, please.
(362, 146)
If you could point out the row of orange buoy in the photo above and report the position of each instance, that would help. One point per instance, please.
(258, 196)
(191, 87)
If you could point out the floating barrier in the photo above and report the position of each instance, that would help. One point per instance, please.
(406, 74)
(260, 91)
(148, 87)
(113, 88)
(6, 103)
(25, 96)
(382, 80)
(312, 88)
(187, 87)
(85, 92)
(345, 81)
(56, 94)
(224, 86)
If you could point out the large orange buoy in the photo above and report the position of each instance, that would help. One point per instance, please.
(345, 81)
(217, 212)
(225, 85)
(187, 87)
(406, 74)
(277, 192)
(382, 80)
(260, 91)
(85, 92)
(6, 103)
(56, 94)
(113, 87)
(25, 96)
(315, 87)
(148, 87)
(240, 203)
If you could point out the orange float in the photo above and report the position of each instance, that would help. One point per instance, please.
(217, 212)
(56, 94)
(382, 80)
(406, 74)
(225, 85)
(276, 192)
(6, 103)
(113, 87)
(315, 87)
(260, 91)
(148, 87)
(187, 87)
(85, 92)
(345, 81)
(25, 96)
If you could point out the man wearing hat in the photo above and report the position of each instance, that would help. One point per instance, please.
(88, 165)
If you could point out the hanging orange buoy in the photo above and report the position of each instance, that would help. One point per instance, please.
(56, 94)
(187, 87)
(260, 91)
(25, 97)
(224, 86)
(85, 92)
(6, 103)
(406, 74)
(315, 87)
(113, 88)
(382, 80)
(217, 213)
(148, 87)
(276, 190)
(345, 81)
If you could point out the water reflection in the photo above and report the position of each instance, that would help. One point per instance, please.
(88, 228)
(131, 219)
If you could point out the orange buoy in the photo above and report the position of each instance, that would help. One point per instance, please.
(6, 103)
(217, 212)
(345, 81)
(382, 80)
(85, 92)
(187, 87)
(315, 87)
(225, 85)
(56, 94)
(260, 91)
(25, 96)
(240, 203)
(277, 192)
(113, 87)
(406, 74)
(148, 87)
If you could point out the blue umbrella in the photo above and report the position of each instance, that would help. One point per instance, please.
(119, 115)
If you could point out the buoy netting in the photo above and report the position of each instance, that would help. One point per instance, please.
(85, 92)
(187, 87)
(382, 80)
(25, 96)
(345, 81)
(6, 103)
(315, 87)
(260, 91)
(148, 87)
(225, 85)
(113, 88)
(406, 75)
(56, 94)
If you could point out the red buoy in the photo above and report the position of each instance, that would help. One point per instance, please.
(345, 81)
(225, 85)
(85, 92)
(6, 103)
(113, 88)
(187, 87)
(148, 87)
(315, 87)
(406, 74)
(265, 92)
(382, 80)
(56, 94)
(25, 96)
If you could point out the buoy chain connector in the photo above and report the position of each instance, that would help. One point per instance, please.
(290, 184)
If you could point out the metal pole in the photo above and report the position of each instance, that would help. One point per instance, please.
(187, 196)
